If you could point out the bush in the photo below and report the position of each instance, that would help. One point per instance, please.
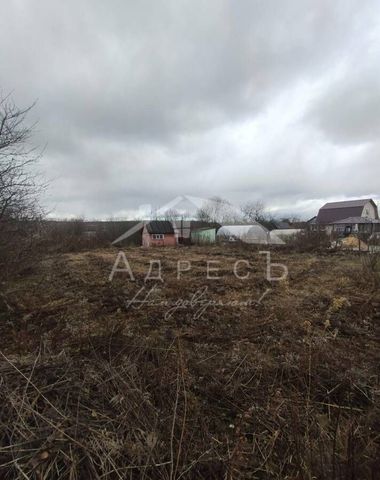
(371, 268)
(307, 241)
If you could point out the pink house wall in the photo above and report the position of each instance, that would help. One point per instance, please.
(169, 240)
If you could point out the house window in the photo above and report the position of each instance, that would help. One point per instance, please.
(158, 236)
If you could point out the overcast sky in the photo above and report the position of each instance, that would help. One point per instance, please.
(140, 101)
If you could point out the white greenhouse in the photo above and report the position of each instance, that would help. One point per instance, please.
(254, 234)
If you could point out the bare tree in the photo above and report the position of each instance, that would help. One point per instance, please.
(172, 215)
(219, 210)
(20, 187)
(254, 211)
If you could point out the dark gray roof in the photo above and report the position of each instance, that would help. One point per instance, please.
(347, 203)
(160, 226)
(333, 214)
(352, 220)
(282, 224)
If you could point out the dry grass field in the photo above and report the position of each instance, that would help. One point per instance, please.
(206, 379)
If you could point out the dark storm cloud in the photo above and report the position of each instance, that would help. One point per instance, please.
(141, 101)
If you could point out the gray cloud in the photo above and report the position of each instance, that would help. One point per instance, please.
(141, 101)
(348, 110)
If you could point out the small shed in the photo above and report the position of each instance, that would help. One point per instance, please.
(159, 233)
(183, 229)
(203, 236)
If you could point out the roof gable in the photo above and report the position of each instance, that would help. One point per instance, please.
(348, 203)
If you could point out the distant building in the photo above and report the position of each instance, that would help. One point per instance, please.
(158, 233)
(311, 224)
(301, 224)
(282, 224)
(348, 211)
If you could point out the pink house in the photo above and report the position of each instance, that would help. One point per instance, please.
(159, 233)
